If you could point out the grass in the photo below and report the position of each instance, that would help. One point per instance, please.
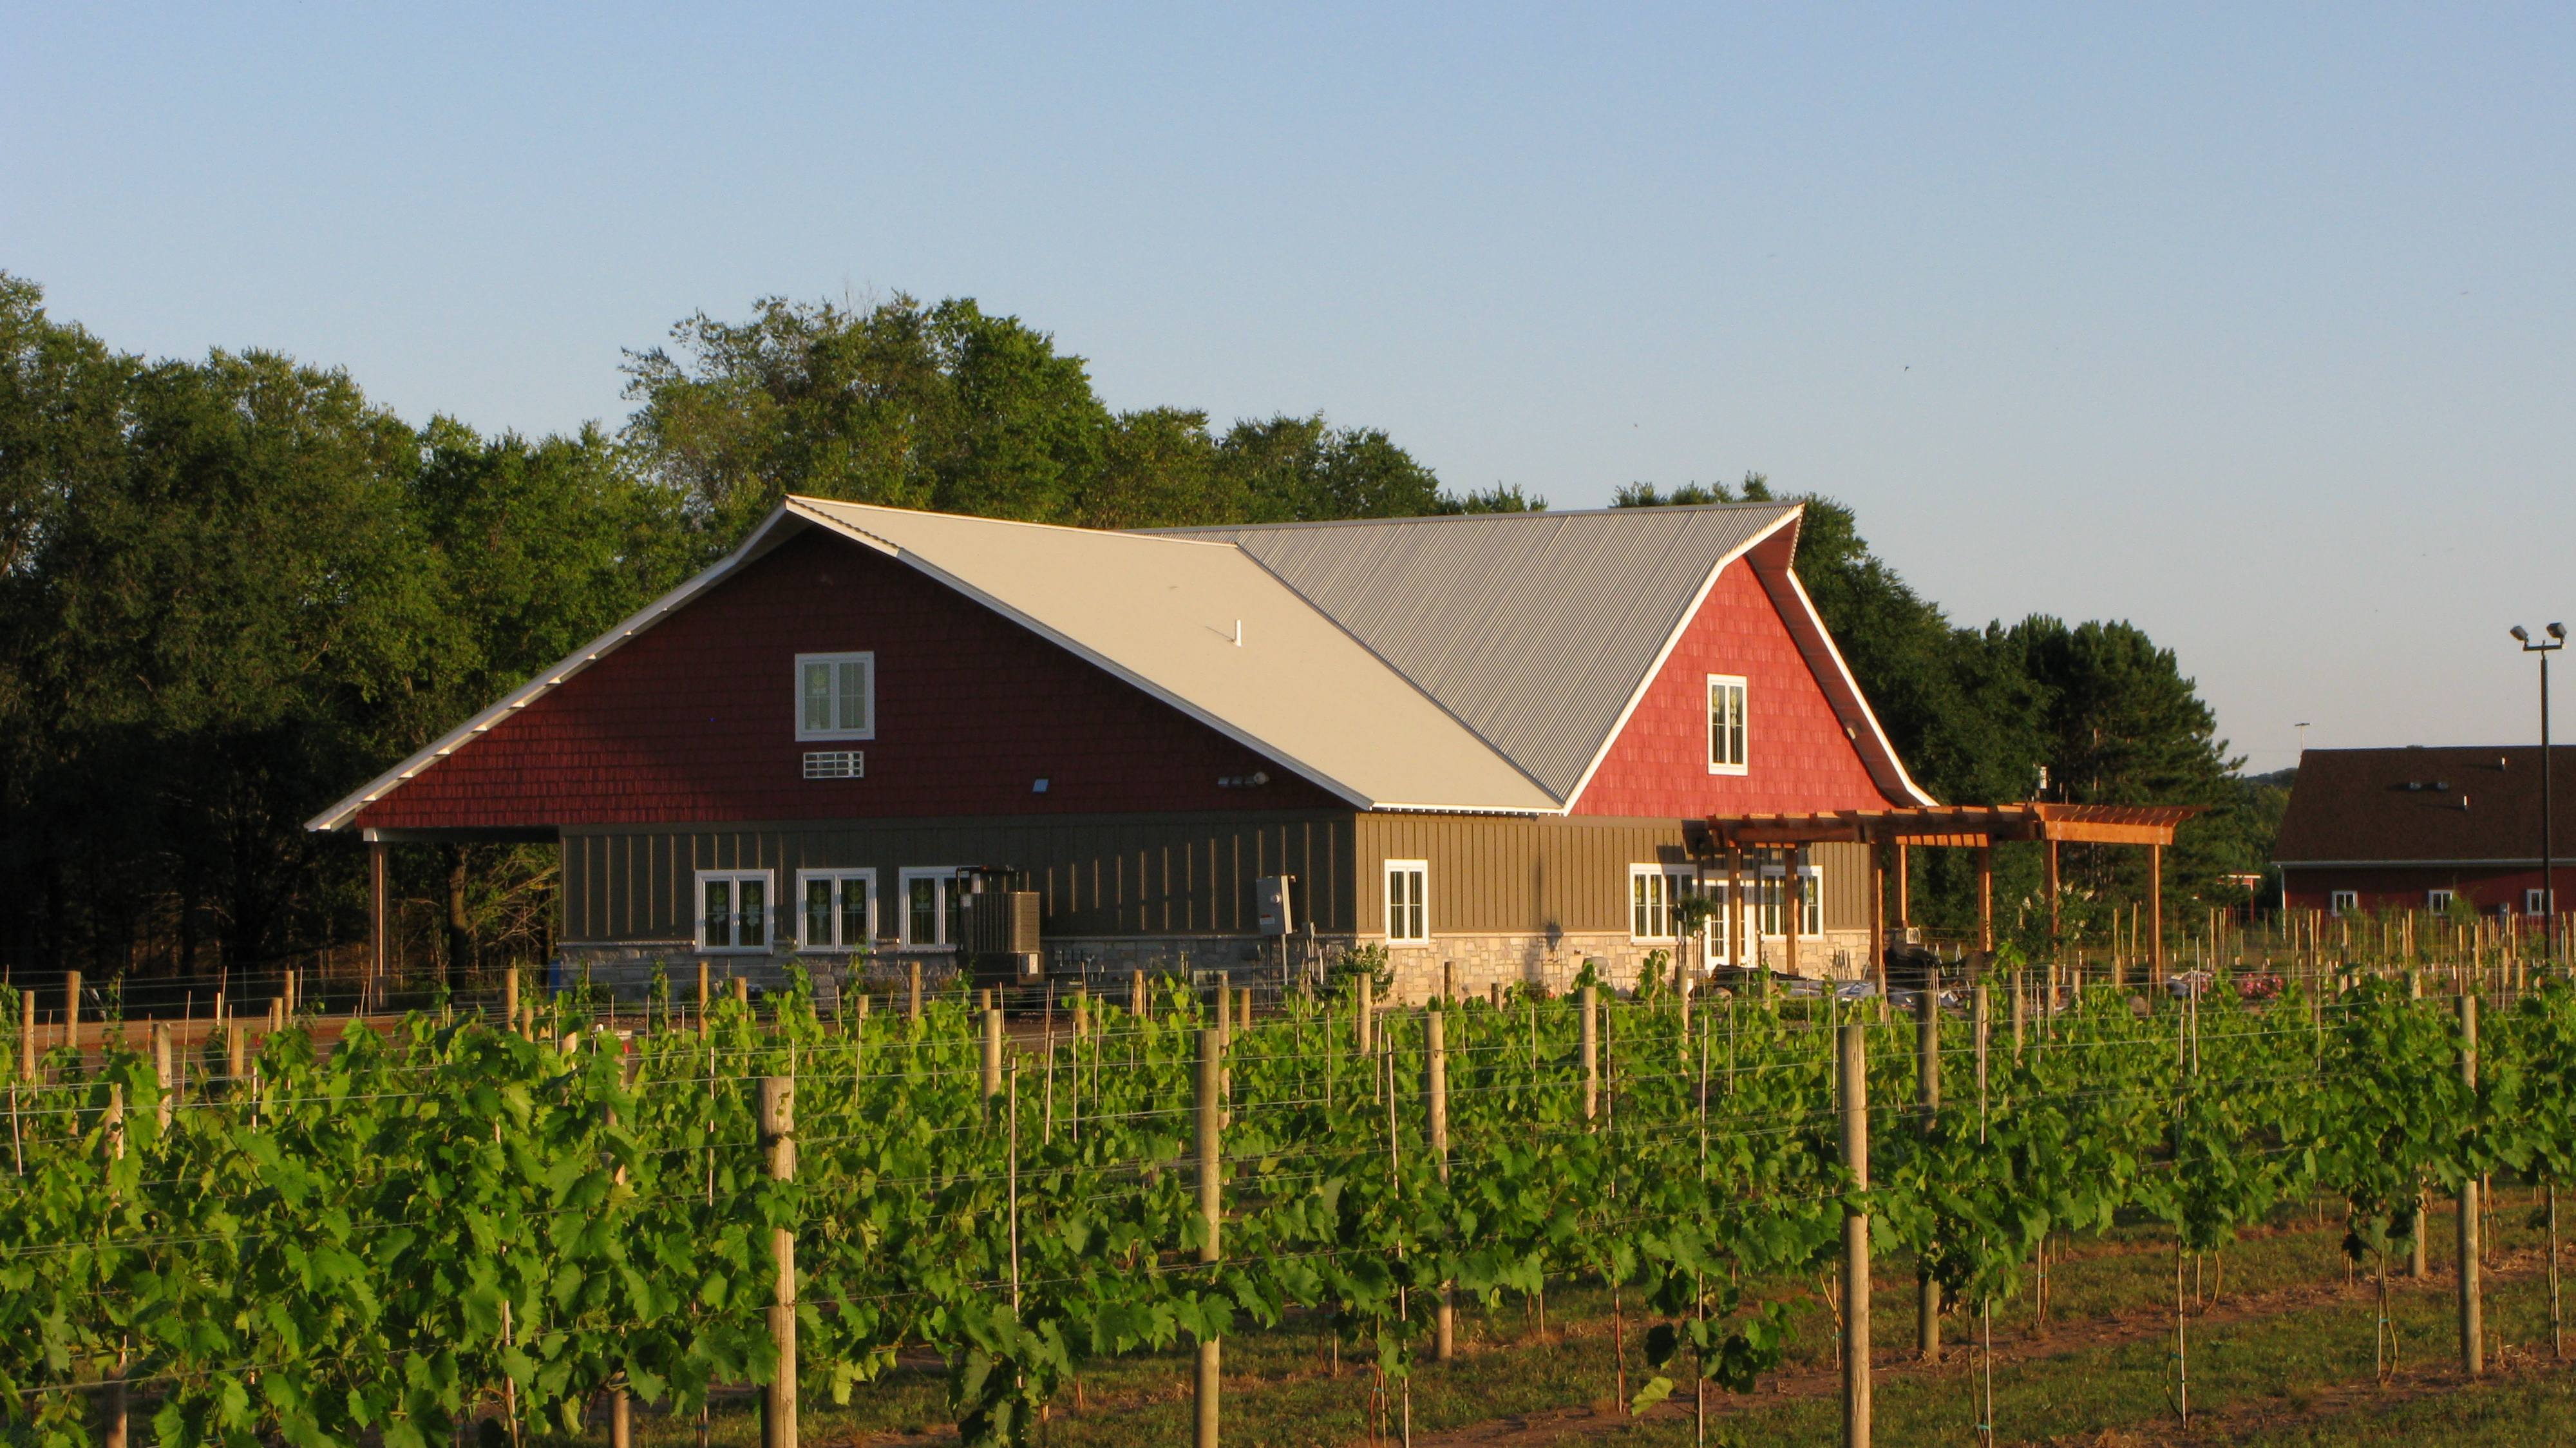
(2282, 1358)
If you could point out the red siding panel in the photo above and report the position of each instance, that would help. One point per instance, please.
(1797, 755)
(695, 719)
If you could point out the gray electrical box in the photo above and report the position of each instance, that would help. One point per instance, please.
(1274, 904)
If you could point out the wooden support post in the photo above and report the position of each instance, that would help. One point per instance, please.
(237, 1061)
(912, 989)
(704, 1000)
(778, 1144)
(1904, 887)
(1878, 918)
(1435, 1084)
(1927, 1071)
(1854, 1043)
(2054, 930)
(1793, 898)
(377, 865)
(1448, 981)
(993, 1052)
(1136, 992)
(2020, 1008)
(1591, 1053)
(1211, 1109)
(71, 1011)
(26, 1035)
(1735, 951)
(741, 986)
(1363, 1010)
(510, 996)
(2473, 1347)
(2156, 915)
(1986, 898)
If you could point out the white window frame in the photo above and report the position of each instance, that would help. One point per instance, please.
(1741, 741)
(2437, 901)
(841, 881)
(2343, 902)
(841, 728)
(734, 880)
(1769, 906)
(1409, 922)
(2535, 901)
(1679, 883)
(945, 877)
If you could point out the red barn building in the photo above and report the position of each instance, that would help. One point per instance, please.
(1472, 739)
(2421, 829)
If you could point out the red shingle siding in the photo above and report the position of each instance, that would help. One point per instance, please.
(1797, 755)
(695, 719)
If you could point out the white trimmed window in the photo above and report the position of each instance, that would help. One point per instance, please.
(733, 910)
(1772, 900)
(929, 906)
(1408, 900)
(1655, 896)
(2437, 901)
(836, 696)
(2535, 902)
(838, 909)
(2343, 902)
(1726, 724)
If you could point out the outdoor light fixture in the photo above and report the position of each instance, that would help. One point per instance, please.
(2548, 862)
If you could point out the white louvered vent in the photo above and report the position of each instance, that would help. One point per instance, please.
(836, 764)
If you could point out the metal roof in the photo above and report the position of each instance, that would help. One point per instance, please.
(1211, 632)
(1537, 630)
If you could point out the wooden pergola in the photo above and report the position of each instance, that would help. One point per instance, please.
(1891, 832)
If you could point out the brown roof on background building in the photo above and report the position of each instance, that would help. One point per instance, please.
(2426, 805)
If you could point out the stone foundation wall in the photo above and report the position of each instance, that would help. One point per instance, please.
(1482, 962)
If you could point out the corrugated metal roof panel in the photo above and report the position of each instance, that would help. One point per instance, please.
(1535, 630)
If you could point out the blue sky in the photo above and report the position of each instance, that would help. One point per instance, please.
(2254, 326)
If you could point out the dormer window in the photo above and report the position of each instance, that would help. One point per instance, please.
(836, 696)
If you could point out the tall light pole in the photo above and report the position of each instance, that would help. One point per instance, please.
(2548, 863)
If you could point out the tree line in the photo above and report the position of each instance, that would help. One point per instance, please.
(234, 588)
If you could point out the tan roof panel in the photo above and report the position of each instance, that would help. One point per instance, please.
(1209, 630)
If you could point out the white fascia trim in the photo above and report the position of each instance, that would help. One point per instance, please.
(1672, 641)
(1860, 701)
(529, 692)
(1097, 660)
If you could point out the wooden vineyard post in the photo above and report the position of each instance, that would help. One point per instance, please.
(27, 1035)
(2020, 1009)
(1591, 1053)
(2417, 1266)
(778, 1144)
(1362, 1007)
(1203, 1422)
(703, 1000)
(912, 991)
(992, 1052)
(1854, 1044)
(237, 1060)
(1435, 1081)
(71, 1011)
(1927, 1058)
(2473, 1350)
(510, 997)
(162, 1076)
(1136, 993)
